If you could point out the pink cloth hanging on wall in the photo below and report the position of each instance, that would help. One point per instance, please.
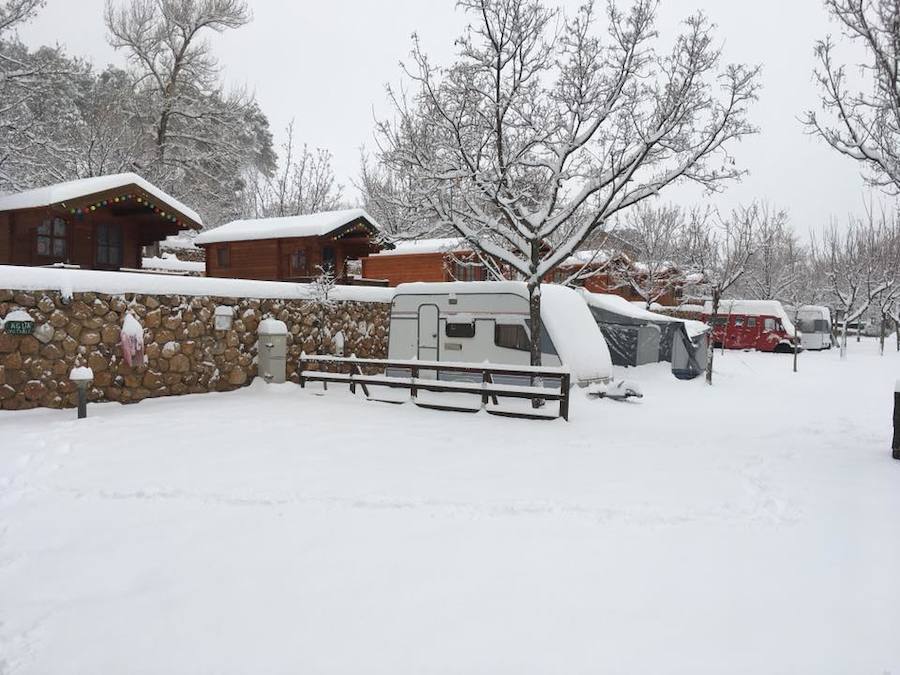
(132, 339)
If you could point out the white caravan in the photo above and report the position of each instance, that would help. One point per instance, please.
(814, 324)
(478, 321)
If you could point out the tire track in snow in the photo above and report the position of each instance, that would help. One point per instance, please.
(634, 515)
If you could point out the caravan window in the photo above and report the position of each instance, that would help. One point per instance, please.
(769, 324)
(739, 322)
(511, 336)
(751, 322)
(460, 330)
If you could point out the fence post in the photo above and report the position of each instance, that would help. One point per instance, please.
(895, 446)
(414, 373)
(485, 380)
(300, 377)
(564, 401)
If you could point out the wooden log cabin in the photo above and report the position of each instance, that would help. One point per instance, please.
(452, 259)
(446, 259)
(292, 248)
(103, 222)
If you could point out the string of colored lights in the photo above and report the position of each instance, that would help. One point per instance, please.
(124, 198)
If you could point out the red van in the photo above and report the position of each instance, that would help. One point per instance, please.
(752, 324)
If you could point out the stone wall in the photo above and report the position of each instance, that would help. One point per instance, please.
(184, 352)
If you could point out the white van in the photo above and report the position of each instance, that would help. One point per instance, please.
(814, 324)
(478, 321)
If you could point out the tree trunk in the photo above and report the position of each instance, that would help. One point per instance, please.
(897, 333)
(710, 347)
(858, 329)
(881, 336)
(796, 343)
(537, 328)
(844, 338)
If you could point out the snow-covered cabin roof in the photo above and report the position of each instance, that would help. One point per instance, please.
(753, 308)
(85, 187)
(438, 245)
(588, 257)
(309, 225)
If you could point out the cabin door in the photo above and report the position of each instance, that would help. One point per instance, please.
(428, 333)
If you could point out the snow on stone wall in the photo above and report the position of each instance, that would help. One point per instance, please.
(184, 352)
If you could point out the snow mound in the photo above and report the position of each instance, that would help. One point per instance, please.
(117, 283)
(18, 315)
(81, 374)
(170, 263)
(273, 327)
(575, 334)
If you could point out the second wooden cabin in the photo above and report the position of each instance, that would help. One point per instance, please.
(292, 248)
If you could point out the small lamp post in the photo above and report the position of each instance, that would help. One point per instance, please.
(82, 376)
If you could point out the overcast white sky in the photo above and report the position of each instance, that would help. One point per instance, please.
(326, 64)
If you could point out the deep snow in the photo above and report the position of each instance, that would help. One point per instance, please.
(751, 527)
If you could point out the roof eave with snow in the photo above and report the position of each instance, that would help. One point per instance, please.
(75, 191)
(323, 224)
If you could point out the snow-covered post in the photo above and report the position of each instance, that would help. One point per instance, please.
(796, 336)
(895, 446)
(82, 376)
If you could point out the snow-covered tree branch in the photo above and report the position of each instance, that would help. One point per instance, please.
(863, 123)
(536, 136)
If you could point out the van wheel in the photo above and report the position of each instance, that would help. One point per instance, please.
(783, 349)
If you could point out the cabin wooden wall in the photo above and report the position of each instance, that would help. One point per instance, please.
(18, 232)
(401, 269)
(5, 238)
(270, 259)
(248, 260)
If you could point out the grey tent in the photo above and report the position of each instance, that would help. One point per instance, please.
(636, 336)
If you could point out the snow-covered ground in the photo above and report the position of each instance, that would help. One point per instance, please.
(751, 527)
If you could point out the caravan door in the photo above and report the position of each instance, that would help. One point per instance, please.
(429, 327)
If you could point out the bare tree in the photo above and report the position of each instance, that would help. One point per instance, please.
(859, 264)
(775, 267)
(720, 251)
(535, 137)
(200, 140)
(864, 123)
(304, 183)
(653, 235)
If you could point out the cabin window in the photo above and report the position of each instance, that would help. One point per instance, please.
(512, 336)
(751, 322)
(460, 330)
(223, 256)
(298, 264)
(109, 244)
(51, 238)
(739, 322)
(769, 324)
